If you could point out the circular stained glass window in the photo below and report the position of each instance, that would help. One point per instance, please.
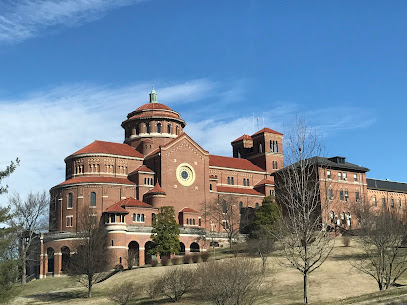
(185, 174)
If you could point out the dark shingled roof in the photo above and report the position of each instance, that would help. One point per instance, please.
(386, 185)
(328, 163)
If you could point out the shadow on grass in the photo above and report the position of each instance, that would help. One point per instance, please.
(346, 257)
(184, 300)
(60, 296)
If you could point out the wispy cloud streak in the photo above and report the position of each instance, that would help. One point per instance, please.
(24, 19)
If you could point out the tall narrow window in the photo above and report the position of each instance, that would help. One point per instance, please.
(142, 218)
(260, 148)
(70, 198)
(346, 195)
(138, 218)
(244, 181)
(228, 180)
(169, 128)
(330, 193)
(341, 194)
(355, 177)
(339, 176)
(158, 127)
(257, 205)
(232, 181)
(210, 187)
(345, 176)
(134, 217)
(148, 127)
(383, 201)
(328, 174)
(224, 207)
(93, 199)
(177, 130)
(276, 165)
(357, 195)
(276, 148)
(241, 207)
(392, 202)
(187, 221)
(247, 182)
(399, 203)
(374, 201)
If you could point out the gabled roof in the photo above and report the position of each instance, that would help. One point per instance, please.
(156, 190)
(266, 130)
(264, 181)
(102, 147)
(116, 208)
(113, 180)
(182, 135)
(142, 168)
(386, 185)
(188, 210)
(243, 137)
(132, 202)
(229, 162)
(228, 189)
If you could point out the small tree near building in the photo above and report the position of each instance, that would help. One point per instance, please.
(262, 229)
(30, 217)
(303, 238)
(383, 238)
(90, 259)
(165, 233)
(224, 213)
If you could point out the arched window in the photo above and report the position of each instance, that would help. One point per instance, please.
(210, 187)
(148, 128)
(247, 182)
(257, 205)
(134, 217)
(70, 198)
(383, 201)
(177, 130)
(240, 207)
(276, 165)
(399, 203)
(138, 218)
(224, 207)
(137, 129)
(392, 202)
(374, 200)
(260, 148)
(244, 181)
(158, 127)
(187, 221)
(193, 221)
(142, 218)
(93, 199)
(169, 128)
(199, 221)
(276, 147)
(232, 181)
(228, 180)
(330, 194)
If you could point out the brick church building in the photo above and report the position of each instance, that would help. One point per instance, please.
(158, 164)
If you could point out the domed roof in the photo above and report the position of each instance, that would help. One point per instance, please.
(153, 106)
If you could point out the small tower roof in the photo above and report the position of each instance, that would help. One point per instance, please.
(153, 96)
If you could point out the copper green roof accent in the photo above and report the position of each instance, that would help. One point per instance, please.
(153, 96)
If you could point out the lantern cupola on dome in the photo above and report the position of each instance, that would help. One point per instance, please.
(151, 125)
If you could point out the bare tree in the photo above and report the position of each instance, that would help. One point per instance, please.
(262, 245)
(124, 293)
(383, 240)
(304, 241)
(176, 281)
(90, 260)
(29, 219)
(224, 212)
(234, 281)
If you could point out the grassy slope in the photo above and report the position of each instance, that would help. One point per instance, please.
(336, 282)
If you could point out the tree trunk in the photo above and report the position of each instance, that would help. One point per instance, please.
(89, 288)
(305, 288)
(23, 263)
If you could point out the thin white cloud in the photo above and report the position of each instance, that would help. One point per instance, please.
(24, 19)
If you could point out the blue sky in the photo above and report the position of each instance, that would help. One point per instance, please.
(70, 71)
